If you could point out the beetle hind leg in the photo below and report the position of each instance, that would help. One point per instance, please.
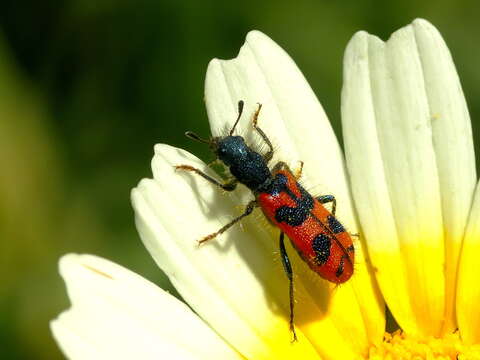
(287, 266)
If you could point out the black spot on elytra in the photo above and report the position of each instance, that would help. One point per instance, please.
(279, 185)
(351, 248)
(321, 245)
(293, 216)
(340, 267)
(335, 225)
(290, 215)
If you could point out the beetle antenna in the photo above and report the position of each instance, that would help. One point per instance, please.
(240, 110)
(195, 137)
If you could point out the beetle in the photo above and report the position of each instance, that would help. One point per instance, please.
(315, 233)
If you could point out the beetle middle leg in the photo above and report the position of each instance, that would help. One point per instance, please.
(248, 210)
(325, 199)
(298, 172)
(283, 165)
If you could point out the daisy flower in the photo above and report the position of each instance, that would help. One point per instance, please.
(405, 185)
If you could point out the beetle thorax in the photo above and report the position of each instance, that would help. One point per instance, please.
(247, 165)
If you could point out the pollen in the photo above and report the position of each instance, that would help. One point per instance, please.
(401, 346)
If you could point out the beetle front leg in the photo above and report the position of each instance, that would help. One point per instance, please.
(227, 186)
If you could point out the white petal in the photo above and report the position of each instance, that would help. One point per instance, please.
(453, 144)
(229, 281)
(295, 122)
(468, 294)
(117, 314)
(408, 145)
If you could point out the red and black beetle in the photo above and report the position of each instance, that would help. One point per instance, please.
(320, 239)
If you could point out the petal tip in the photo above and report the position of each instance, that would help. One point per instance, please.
(361, 34)
(256, 35)
(422, 22)
(78, 265)
(159, 148)
(425, 27)
(359, 38)
(67, 260)
(213, 64)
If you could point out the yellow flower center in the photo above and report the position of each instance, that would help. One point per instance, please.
(401, 346)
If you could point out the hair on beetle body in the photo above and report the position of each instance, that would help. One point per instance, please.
(315, 233)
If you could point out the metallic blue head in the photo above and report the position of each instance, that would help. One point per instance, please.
(231, 149)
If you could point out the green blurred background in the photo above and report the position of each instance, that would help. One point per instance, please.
(88, 87)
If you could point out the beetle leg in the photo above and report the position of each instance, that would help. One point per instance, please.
(269, 155)
(287, 266)
(248, 210)
(227, 186)
(324, 199)
(281, 165)
(298, 172)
